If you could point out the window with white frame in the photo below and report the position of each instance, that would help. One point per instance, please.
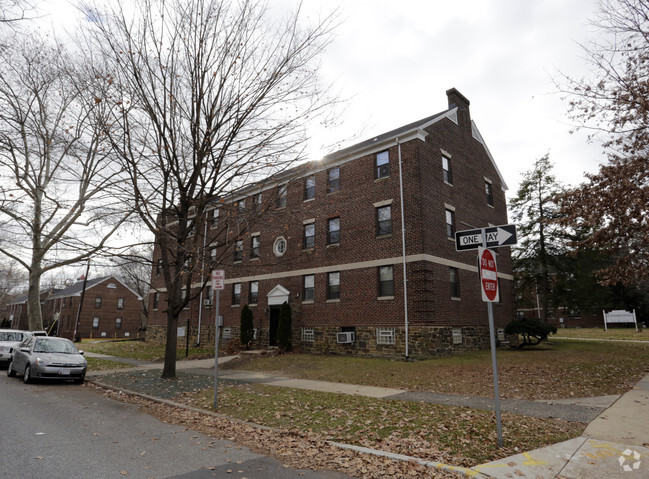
(215, 217)
(446, 169)
(450, 223)
(309, 187)
(383, 220)
(254, 291)
(238, 251)
(333, 180)
(98, 302)
(213, 254)
(385, 336)
(156, 300)
(118, 323)
(120, 303)
(382, 164)
(489, 192)
(308, 335)
(454, 276)
(333, 285)
(333, 232)
(254, 246)
(386, 281)
(236, 293)
(95, 322)
(309, 236)
(281, 196)
(309, 288)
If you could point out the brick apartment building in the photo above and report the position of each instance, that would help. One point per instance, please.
(331, 245)
(110, 310)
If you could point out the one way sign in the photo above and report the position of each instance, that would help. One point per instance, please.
(496, 236)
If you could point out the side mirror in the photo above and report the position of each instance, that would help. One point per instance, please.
(82, 352)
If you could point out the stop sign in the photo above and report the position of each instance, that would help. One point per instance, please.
(488, 275)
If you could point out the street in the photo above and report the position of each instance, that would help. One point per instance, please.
(53, 430)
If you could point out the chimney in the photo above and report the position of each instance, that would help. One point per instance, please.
(456, 99)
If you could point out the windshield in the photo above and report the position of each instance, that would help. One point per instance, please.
(55, 346)
(11, 336)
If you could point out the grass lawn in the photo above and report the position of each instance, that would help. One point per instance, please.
(143, 350)
(97, 364)
(599, 333)
(555, 370)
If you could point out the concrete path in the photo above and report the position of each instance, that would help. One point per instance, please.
(615, 444)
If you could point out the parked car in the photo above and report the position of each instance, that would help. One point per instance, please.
(48, 357)
(9, 340)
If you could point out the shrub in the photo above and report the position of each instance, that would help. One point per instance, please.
(532, 330)
(285, 328)
(246, 330)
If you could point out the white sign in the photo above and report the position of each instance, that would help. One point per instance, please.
(218, 279)
(620, 316)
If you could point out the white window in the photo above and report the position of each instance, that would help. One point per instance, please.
(385, 336)
(95, 322)
(308, 334)
(215, 218)
(457, 335)
(279, 247)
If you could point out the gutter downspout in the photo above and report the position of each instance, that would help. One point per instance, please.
(200, 301)
(403, 244)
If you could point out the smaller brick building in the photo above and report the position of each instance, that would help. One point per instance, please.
(110, 309)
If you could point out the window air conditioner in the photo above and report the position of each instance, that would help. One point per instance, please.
(207, 302)
(345, 338)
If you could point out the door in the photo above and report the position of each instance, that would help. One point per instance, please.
(274, 323)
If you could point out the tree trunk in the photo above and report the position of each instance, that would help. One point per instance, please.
(34, 315)
(169, 368)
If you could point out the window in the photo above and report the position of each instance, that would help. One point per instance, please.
(254, 291)
(386, 281)
(309, 236)
(308, 335)
(238, 251)
(156, 300)
(279, 247)
(333, 235)
(455, 282)
(382, 164)
(384, 220)
(242, 205)
(385, 336)
(98, 302)
(158, 268)
(95, 322)
(450, 224)
(489, 193)
(309, 288)
(120, 303)
(236, 293)
(281, 196)
(215, 218)
(333, 180)
(256, 202)
(254, 247)
(309, 188)
(118, 323)
(333, 285)
(446, 168)
(213, 254)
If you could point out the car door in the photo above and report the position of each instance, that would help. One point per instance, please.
(20, 357)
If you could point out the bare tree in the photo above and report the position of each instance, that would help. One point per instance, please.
(13, 11)
(206, 96)
(55, 165)
(612, 105)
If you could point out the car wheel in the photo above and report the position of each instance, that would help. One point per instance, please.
(10, 370)
(27, 378)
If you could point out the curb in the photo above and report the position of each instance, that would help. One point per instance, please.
(360, 449)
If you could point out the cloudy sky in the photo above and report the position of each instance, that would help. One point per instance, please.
(396, 59)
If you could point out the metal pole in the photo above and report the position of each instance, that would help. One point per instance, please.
(403, 247)
(494, 362)
(216, 350)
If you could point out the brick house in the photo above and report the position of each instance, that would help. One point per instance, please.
(330, 244)
(17, 310)
(110, 310)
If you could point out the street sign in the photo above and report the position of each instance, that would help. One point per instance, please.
(218, 279)
(488, 275)
(496, 236)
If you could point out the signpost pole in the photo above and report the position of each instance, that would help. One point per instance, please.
(216, 350)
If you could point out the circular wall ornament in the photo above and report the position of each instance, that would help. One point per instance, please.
(279, 247)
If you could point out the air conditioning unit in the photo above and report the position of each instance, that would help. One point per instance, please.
(345, 338)
(207, 302)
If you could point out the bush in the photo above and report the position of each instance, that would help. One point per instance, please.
(246, 330)
(532, 330)
(285, 328)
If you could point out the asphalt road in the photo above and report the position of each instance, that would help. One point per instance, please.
(69, 431)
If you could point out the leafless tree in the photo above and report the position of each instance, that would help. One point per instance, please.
(55, 164)
(206, 96)
(612, 104)
(13, 11)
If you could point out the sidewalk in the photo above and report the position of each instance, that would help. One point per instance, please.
(615, 444)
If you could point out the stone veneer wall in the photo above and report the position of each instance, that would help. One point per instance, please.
(425, 342)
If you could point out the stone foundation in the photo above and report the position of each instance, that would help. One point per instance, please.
(424, 342)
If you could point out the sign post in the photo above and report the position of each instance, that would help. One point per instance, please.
(218, 283)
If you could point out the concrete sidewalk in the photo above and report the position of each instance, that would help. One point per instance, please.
(615, 444)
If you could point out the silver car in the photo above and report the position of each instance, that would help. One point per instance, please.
(47, 357)
(9, 340)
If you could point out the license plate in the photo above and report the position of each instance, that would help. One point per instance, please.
(64, 372)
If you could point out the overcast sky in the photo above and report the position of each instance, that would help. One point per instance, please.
(396, 59)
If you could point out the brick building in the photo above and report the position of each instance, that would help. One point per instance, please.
(331, 245)
(110, 310)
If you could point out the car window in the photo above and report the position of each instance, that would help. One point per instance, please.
(10, 336)
(54, 346)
